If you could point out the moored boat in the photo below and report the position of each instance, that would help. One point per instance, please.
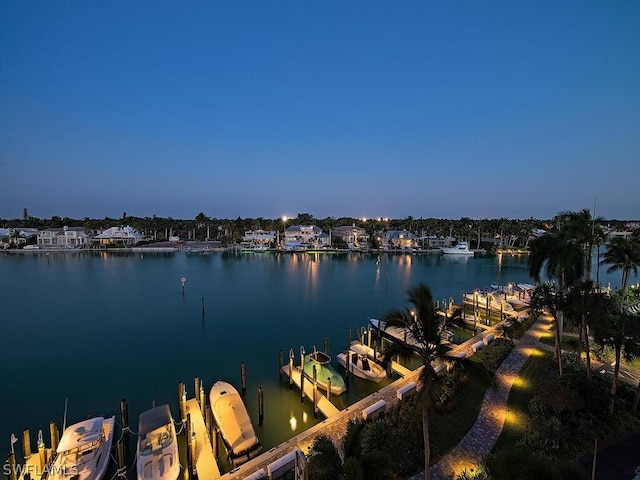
(324, 372)
(361, 366)
(461, 248)
(157, 449)
(84, 450)
(233, 421)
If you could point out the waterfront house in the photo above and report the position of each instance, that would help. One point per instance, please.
(353, 236)
(305, 235)
(259, 237)
(401, 239)
(65, 237)
(119, 235)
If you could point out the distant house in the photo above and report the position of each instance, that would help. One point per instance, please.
(259, 237)
(119, 235)
(305, 235)
(351, 235)
(65, 237)
(434, 241)
(399, 239)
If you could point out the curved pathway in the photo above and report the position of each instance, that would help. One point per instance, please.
(485, 432)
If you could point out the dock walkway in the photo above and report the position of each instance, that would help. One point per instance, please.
(205, 460)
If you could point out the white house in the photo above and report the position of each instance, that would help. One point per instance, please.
(297, 235)
(351, 235)
(259, 237)
(127, 235)
(68, 237)
(399, 239)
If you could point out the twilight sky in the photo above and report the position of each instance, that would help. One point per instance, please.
(336, 108)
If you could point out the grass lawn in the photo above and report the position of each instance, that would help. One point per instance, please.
(569, 342)
(534, 372)
(447, 429)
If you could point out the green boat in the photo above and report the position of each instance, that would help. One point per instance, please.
(324, 371)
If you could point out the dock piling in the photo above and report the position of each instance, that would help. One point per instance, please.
(203, 401)
(11, 460)
(196, 387)
(261, 405)
(291, 368)
(121, 460)
(124, 417)
(315, 392)
(349, 340)
(329, 388)
(26, 444)
(302, 386)
(187, 436)
(243, 377)
(53, 432)
(280, 360)
(326, 345)
(41, 450)
(203, 306)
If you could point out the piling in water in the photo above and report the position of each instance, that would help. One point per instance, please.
(121, 459)
(26, 444)
(124, 417)
(187, 436)
(196, 387)
(203, 401)
(326, 345)
(329, 388)
(11, 460)
(53, 432)
(301, 386)
(261, 404)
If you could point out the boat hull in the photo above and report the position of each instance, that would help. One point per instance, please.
(157, 455)
(324, 371)
(234, 423)
(367, 370)
(94, 465)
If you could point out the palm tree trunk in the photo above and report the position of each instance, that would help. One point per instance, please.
(614, 384)
(558, 350)
(587, 349)
(425, 434)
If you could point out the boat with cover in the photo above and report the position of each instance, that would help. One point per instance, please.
(361, 366)
(461, 248)
(234, 423)
(324, 371)
(84, 450)
(157, 449)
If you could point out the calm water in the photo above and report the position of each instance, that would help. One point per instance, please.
(96, 328)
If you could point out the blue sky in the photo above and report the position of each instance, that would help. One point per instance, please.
(364, 109)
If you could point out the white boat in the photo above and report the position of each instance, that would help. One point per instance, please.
(234, 423)
(157, 449)
(84, 450)
(461, 248)
(361, 366)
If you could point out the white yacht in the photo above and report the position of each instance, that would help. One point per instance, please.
(84, 450)
(461, 248)
(234, 423)
(157, 450)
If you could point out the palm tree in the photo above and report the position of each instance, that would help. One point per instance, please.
(425, 326)
(619, 330)
(623, 254)
(561, 257)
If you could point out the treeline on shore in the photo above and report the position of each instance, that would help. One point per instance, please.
(514, 232)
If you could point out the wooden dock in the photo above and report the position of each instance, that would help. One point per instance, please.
(325, 407)
(205, 460)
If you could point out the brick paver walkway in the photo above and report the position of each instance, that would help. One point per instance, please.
(484, 433)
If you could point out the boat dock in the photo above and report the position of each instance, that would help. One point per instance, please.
(205, 461)
(325, 407)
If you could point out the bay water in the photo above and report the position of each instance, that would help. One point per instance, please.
(94, 328)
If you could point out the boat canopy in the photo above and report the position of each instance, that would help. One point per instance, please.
(81, 434)
(153, 419)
